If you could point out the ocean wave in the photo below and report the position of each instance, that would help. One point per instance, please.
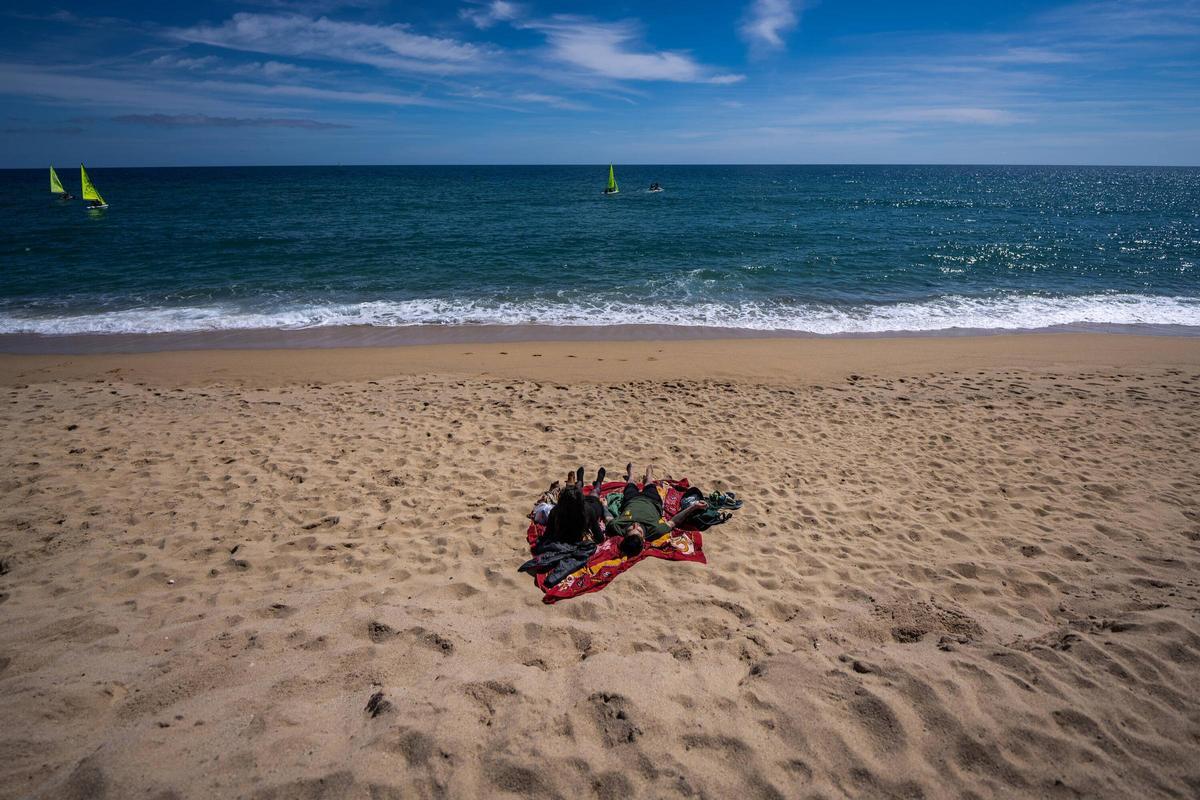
(1010, 312)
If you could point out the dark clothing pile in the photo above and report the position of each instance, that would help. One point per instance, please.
(559, 559)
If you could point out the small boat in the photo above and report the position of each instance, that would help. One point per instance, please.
(612, 182)
(655, 187)
(56, 186)
(89, 191)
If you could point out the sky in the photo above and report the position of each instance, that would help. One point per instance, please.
(125, 83)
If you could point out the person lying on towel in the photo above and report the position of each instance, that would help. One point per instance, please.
(640, 516)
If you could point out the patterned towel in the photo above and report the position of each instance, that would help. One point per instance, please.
(607, 562)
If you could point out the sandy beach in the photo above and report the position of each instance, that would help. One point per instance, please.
(966, 567)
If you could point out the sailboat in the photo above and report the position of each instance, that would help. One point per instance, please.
(612, 182)
(56, 186)
(89, 191)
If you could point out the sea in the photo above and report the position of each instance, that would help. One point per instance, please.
(764, 250)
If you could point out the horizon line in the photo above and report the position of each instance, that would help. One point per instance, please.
(632, 164)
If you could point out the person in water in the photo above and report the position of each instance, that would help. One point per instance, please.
(640, 518)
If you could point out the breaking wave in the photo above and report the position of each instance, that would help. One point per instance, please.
(1009, 312)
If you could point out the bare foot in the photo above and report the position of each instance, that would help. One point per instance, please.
(629, 472)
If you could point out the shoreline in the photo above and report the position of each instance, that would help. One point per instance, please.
(360, 336)
(802, 360)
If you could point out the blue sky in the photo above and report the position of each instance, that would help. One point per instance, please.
(756, 81)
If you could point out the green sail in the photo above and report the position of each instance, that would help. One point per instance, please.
(612, 182)
(55, 184)
(89, 191)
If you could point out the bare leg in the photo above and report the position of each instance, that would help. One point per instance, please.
(649, 476)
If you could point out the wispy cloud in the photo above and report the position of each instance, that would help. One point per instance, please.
(214, 96)
(205, 121)
(171, 61)
(315, 6)
(966, 115)
(552, 100)
(767, 21)
(489, 14)
(47, 130)
(1117, 20)
(1029, 55)
(100, 91)
(273, 70)
(267, 70)
(317, 93)
(393, 47)
(610, 49)
(518, 101)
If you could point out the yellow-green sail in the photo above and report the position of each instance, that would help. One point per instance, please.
(612, 182)
(89, 191)
(56, 186)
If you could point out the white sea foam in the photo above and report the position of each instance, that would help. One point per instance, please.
(1013, 312)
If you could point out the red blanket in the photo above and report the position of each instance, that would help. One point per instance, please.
(607, 562)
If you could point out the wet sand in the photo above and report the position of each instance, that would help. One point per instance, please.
(966, 567)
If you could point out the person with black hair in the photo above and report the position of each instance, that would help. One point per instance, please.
(569, 521)
(576, 516)
(640, 518)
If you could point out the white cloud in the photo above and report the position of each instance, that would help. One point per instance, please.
(968, 115)
(1115, 20)
(176, 62)
(493, 12)
(384, 46)
(206, 121)
(549, 100)
(107, 92)
(269, 70)
(606, 49)
(193, 96)
(316, 93)
(1029, 55)
(314, 6)
(272, 70)
(767, 21)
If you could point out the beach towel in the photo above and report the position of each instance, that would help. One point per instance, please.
(607, 562)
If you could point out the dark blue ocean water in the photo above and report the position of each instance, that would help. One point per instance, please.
(803, 248)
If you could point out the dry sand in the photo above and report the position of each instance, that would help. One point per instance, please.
(966, 568)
